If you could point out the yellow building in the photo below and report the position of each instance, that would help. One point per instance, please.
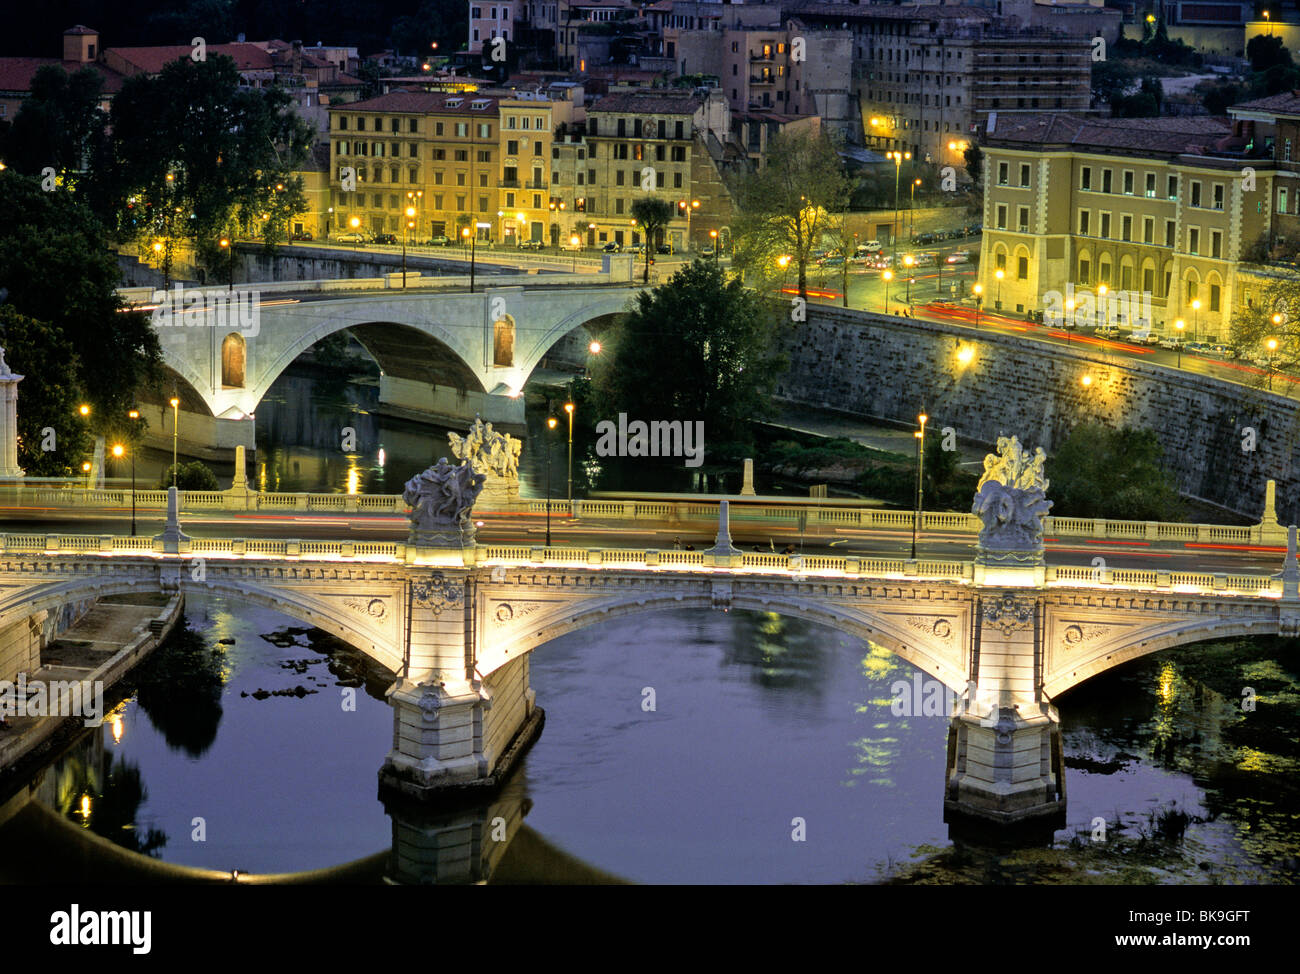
(527, 131)
(1162, 208)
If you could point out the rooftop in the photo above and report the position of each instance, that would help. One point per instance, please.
(659, 101)
(1196, 134)
(421, 103)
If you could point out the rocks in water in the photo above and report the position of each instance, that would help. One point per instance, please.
(299, 691)
(227, 640)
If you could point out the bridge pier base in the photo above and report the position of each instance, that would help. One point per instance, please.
(456, 739)
(1005, 768)
(443, 403)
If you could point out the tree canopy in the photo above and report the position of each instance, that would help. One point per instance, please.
(696, 348)
(652, 215)
(1109, 473)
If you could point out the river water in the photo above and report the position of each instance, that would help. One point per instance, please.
(682, 746)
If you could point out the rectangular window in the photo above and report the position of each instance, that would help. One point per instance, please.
(1022, 268)
(1085, 178)
(1151, 185)
(1105, 180)
(1083, 222)
(1126, 227)
(462, 130)
(1193, 240)
(1125, 278)
(1024, 176)
(1128, 182)
(677, 180)
(1085, 270)
(1218, 196)
(1286, 148)
(1003, 169)
(1196, 192)
(1022, 219)
(1149, 280)
(1281, 200)
(1214, 297)
(462, 155)
(1171, 187)
(1002, 216)
(484, 155)
(1148, 230)
(437, 178)
(1169, 234)
(1216, 244)
(618, 177)
(437, 201)
(1104, 230)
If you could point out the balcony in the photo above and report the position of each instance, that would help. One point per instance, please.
(761, 57)
(509, 184)
(536, 184)
(762, 81)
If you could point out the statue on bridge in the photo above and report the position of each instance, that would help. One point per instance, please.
(441, 499)
(1011, 500)
(495, 455)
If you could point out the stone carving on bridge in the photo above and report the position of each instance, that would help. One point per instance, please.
(1011, 500)
(938, 628)
(437, 592)
(374, 608)
(441, 499)
(1009, 613)
(495, 455)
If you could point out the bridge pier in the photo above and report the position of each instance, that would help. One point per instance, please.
(1004, 743)
(447, 404)
(455, 731)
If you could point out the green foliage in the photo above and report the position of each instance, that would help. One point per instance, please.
(696, 348)
(60, 125)
(48, 396)
(1253, 326)
(56, 269)
(946, 486)
(975, 166)
(1146, 103)
(1266, 51)
(194, 475)
(1110, 79)
(786, 207)
(652, 215)
(1118, 474)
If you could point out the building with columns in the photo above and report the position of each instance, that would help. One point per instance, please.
(1154, 205)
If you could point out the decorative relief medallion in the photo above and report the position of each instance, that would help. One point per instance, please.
(1078, 634)
(437, 592)
(374, 608)
(1009, 614)
(939, 628)
(507, 612)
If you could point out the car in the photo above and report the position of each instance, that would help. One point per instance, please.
(663, 249)
(883, 262)
(610, 248)
(870, 247)
(1173, 343)
(1106, 331)
(637, 248)
(831, 260)
(1222, 350)
(928, 237)
(440, 241)
(385, 238)
(926, 258)
(1197, 348)
(570, 245)
(351, 236)
(531, 245)
(300, 235)
(959, 257)
(1149, 337)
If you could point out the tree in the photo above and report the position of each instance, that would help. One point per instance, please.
(1107, 473)
(787, 206)
(194, 475)
(56, 269)
(1274, 314)
(1266, 51)
(48, 396)
(975, 166)
(60, 125)
(696, 348)
(652, 215)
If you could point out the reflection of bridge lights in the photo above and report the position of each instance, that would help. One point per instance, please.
(117, 730)
(382, 456)
(478, 524)
(84, 811)
(354, 480)
(1165, 688)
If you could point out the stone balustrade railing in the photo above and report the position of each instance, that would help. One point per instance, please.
(793, 515)
(619, 559)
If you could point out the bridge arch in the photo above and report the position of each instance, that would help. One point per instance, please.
(303, 605)
(939, 652)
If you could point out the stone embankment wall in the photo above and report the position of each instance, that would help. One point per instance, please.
(892, 369)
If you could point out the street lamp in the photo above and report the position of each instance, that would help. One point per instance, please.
(355, 224)
(1179, 324)
(911, 210)
(979, 302)
(898, 158)
(920, 466)
(1271, 344)
(575, 242)
(887, 276)
(550, 426)
(908, 261)
(688, 209)
(713, 236)
(999, 274)
(410, 222)
(568, 408)
(1086, 381)
(176, 413)
(1196, 317)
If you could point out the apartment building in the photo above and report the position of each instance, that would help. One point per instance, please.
(926, 76)
(663, 143)
(526, 138)
(490, 19)
(439, 153)
(1140, 205)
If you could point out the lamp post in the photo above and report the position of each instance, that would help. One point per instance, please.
(550, 426)
(568, 408)
(920, 466)
(713, 236)
(908, 261)
(979, 301)
(176, 413)
(355, 224)
(1196, 318)
(688, 208)
(898, 158)
(999, 274)
(1180, 325)
(887, 276)
(228, 245)
(575, 242)
(328, 220)
(1271, 344)
(911, 210)
(406, 233)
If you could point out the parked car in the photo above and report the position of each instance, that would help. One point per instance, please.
(531, 245)
(928, 237)
(959, 257)
(638, 249)
(1148, 337)
(440, 241)
(831, 260)
(610, 248)
(300, 235)
(870, 247)
(1106, 331)
(663, 249)
(926, 258)
(1222, 350)
(351, 236)
(1173, 343)
(385, 238)
(1197, 348)
(567, 244)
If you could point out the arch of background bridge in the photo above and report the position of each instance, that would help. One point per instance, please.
(285, 600)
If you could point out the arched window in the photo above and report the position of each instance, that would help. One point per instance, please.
(233, 354)
(503, 341)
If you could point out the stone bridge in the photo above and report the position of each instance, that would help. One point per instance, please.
(450, 354)
(456, 627)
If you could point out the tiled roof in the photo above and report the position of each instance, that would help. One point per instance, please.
(79, 29)
(1287, 103)
(922, 12)
(16, 73)
(654, 100)
(151, 60)
(1157, 136)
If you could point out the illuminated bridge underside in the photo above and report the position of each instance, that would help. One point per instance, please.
(457, 628)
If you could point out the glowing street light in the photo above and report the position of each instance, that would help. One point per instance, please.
(568, 408)
(920, 466)
(999, 274)
(1271, 345)
(887, 276)
(979, 303)
(1179, 324)
(897, 158)
(550, 427)
(176, 412)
